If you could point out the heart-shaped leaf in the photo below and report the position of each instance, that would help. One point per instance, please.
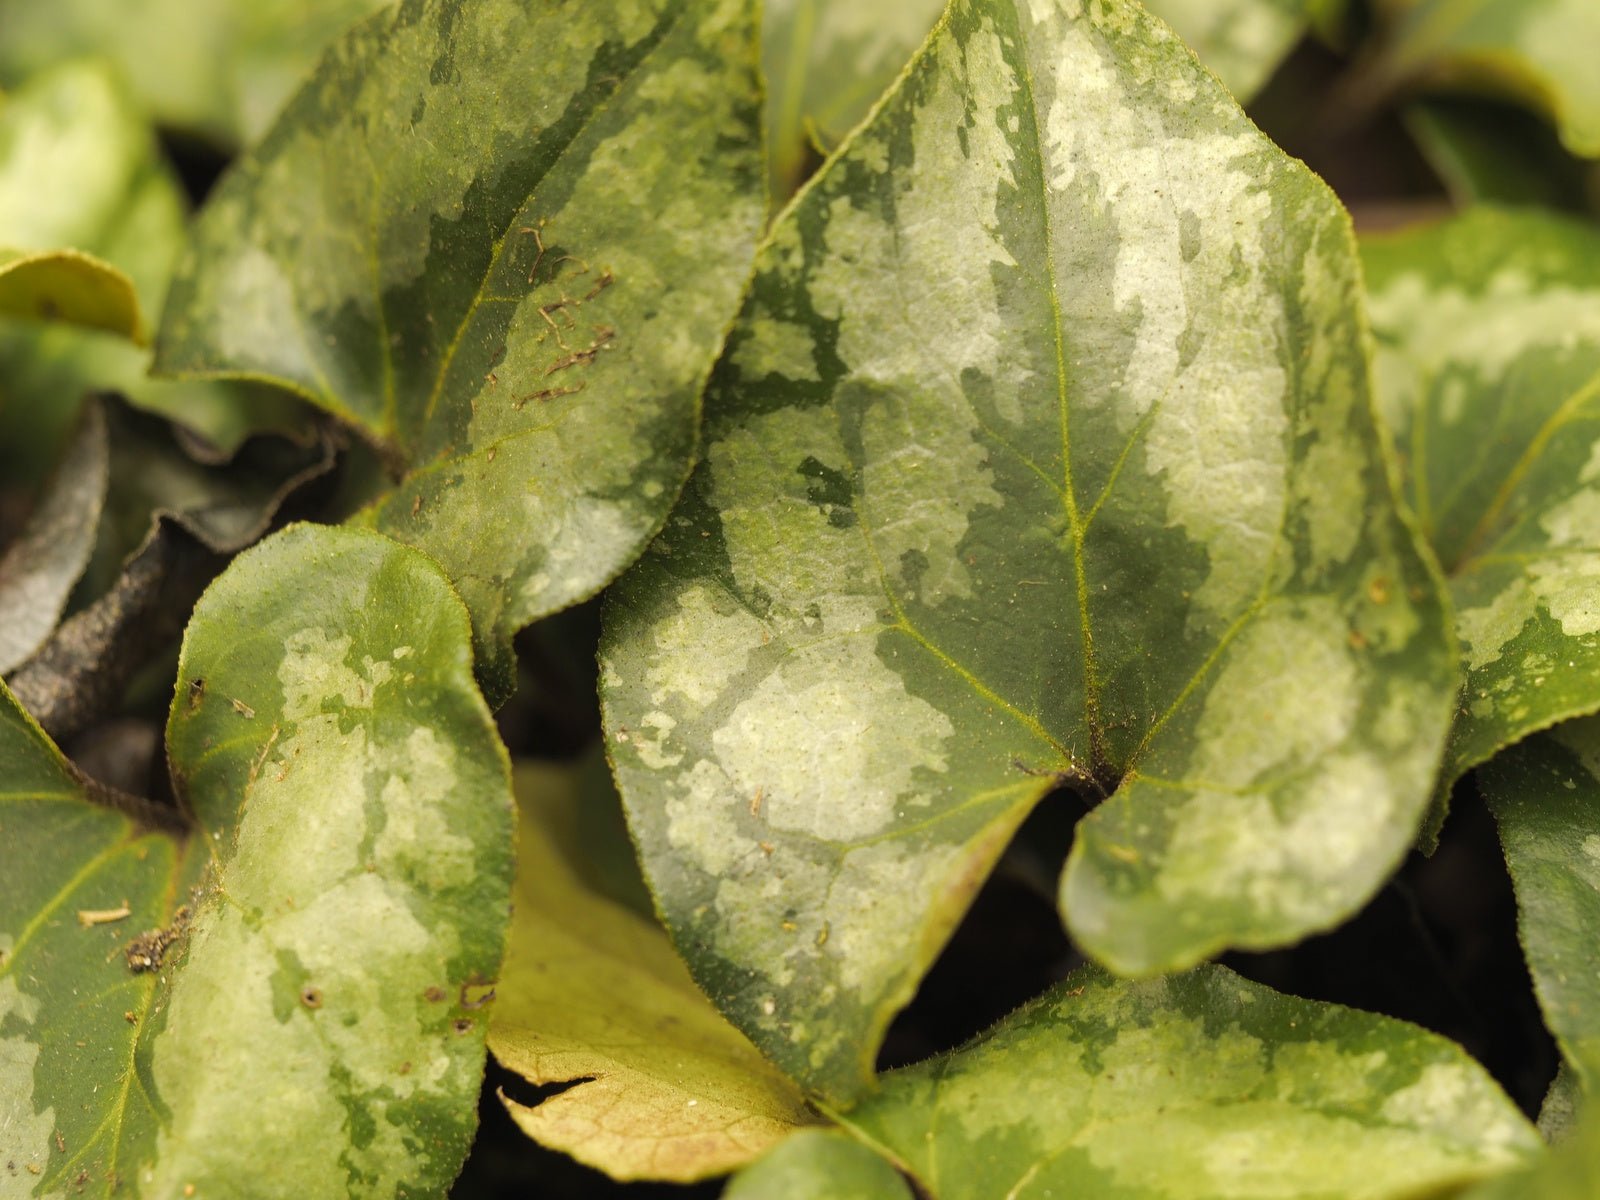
(1539, 50)
(820, 1164)
(1193, 1087)
(1042, 455)
(84, 190)
(1488, 368)
(38, 570)
(219, 69)
(1545, 794)
(504, 241)
(593, 991)
(284, 973)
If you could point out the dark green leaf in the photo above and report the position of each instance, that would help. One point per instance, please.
(1191, 1088)
(504, 240)
(1488, 368)
(38, 571)
(1545, 794)
(290, 985)
(1041, 456)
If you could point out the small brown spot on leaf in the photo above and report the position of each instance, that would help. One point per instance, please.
(131, 1017)
(311, 997)
(461, 1025)
(1378, 590)
(197, 693)
(61, 1143)
(405, 1068)
(146, 952)
(434, 994)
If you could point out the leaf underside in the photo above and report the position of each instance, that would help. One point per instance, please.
(1059, 363)
(284, 972)
(512, 277)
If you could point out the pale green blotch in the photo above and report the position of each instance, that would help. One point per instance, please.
(1241, 42)
(417, 841)
(778, 541)
(946, 293)
(1220, 451)
(1287, 694)
(1449, 1097)
(1287, 855)
(27, 1133)
(699, 648)
(314, 670)
(840, 714)
(772, 346)
(1484, 331)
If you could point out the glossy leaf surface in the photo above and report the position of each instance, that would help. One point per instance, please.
(1545, 794)
(504, 241)
(1193, 1087)
(820, 1164)
(593, 991)
(39, 569)
(1488, 372)
(293, 981)
(217, 68)
(1539, 50)
(1042, 454)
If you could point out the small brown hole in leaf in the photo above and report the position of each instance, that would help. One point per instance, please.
(311, 997)
(461, 1025)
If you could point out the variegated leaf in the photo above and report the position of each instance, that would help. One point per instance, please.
(282, 975)
(1041, 455)
(1191, 1088)
(1488, 371)
(504, 240)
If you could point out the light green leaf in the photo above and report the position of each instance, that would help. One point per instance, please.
(1243, 41)
(217, 68)
(68, 286)
(81, 175)
(593, 991)
(504, 241)
(324, 925)
(826, 62)
(1195, 1086)
(1488, 369)
(1545, 794)
(1541, 51)
(1042, 454)
(819, 1164)
(39, 570)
